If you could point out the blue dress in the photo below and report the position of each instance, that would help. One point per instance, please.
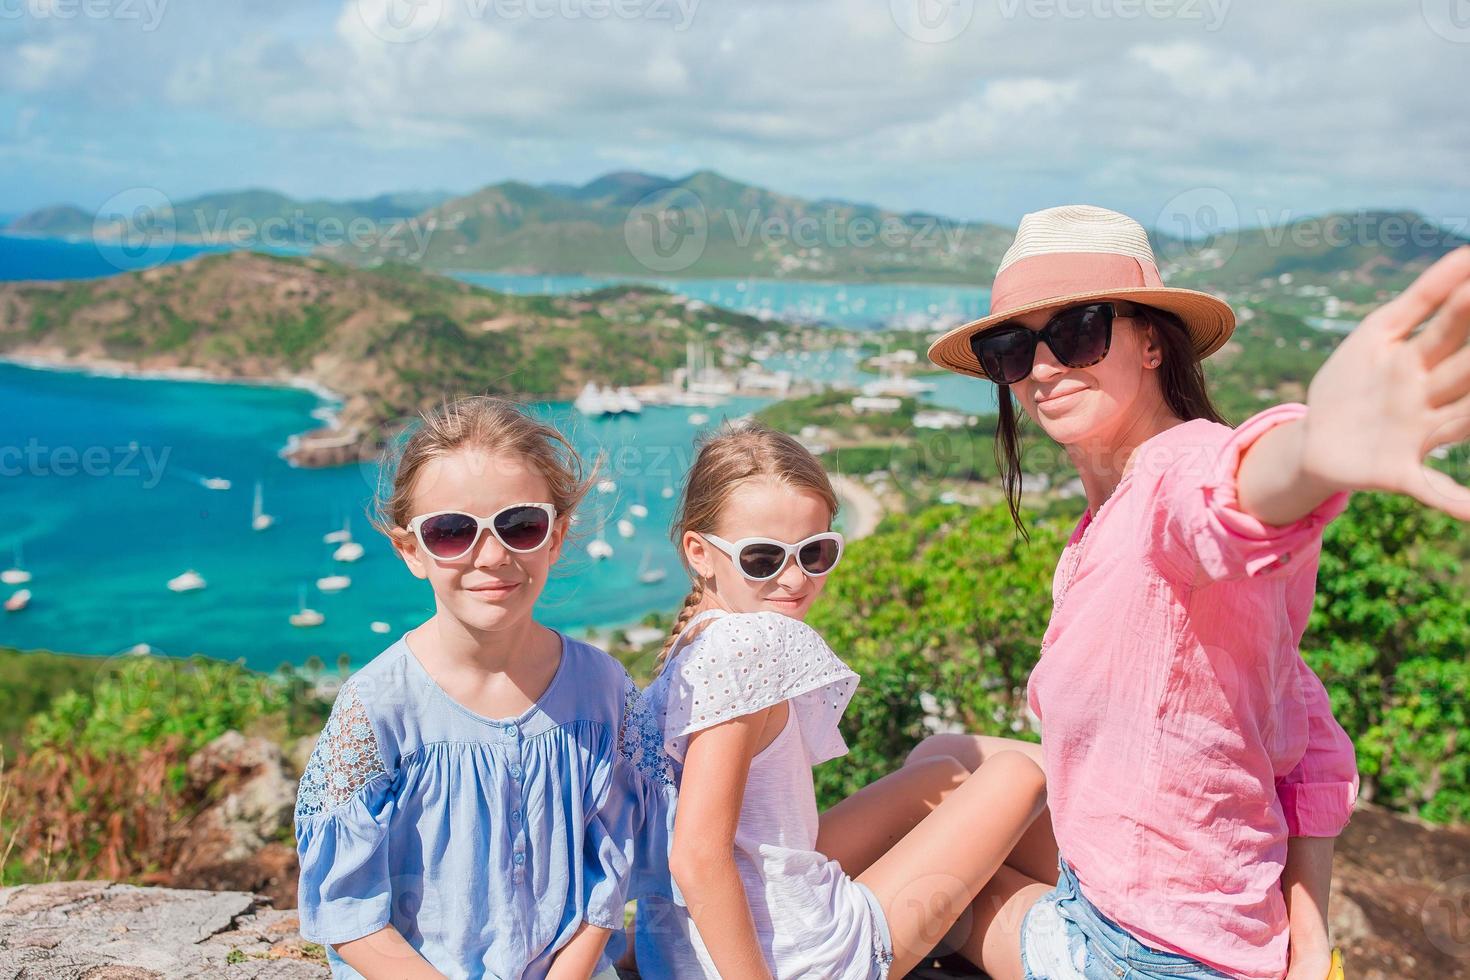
(486, 842)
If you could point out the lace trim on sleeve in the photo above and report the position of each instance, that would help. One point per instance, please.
(641, 739)
(345, 758)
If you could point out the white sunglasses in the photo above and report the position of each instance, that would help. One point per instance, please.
(450, 534)
(762, 559)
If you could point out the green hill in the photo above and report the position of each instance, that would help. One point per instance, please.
(391, 341)
(742, 230)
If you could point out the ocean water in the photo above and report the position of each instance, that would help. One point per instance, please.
(849, 305)
(101, 489)
(101, 481)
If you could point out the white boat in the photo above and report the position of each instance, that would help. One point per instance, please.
(598, 548)
(647, 574)
(595, 402)
(347, 551)
(378, 626)
(590, 400)
(638, 510)
(216, 483)
(259, 519)
(626, 528)
(343, 533)
(16, 574)
(607, 486)
(190, 581)
(333, 583)
(627, 403)
(18, 601)
(698, 418)
(667, 491)
(304, 615)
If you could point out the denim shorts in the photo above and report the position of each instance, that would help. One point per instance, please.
(1065, 937)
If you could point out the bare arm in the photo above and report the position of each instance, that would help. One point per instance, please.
(577, 960)
(1306, 881)
(1381, 403)
(702, 858)
(386, 955)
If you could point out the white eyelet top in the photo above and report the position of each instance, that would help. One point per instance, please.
(811, 919)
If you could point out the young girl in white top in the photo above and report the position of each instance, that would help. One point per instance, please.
(756, 883)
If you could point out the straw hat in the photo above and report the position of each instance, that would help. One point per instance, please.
(1077, 254)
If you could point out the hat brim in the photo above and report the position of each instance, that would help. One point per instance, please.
(1209, 320)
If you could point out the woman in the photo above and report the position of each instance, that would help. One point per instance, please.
(1196, 778)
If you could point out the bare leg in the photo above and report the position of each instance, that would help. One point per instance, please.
(1035, 855)
(930, 878)
(866, 825)
(993, 942)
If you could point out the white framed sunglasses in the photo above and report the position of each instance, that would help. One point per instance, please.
(450, 534)
(762, 559)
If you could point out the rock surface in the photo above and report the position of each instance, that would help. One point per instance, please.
(99, 930)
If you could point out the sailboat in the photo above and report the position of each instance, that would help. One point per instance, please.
(647, 574)
(333, 583)
(259, 519)
(215, 483)
(598, 548)
(347, 551)
(378, 626)
(626, 528)
(18, 601)
(344, 533)
(190, 581)
(306, 616)
(16, 574)
(667, 491)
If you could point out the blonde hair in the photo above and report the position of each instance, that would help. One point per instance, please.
(727, 459)
(482, 422)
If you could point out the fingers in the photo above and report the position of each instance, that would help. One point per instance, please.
(1400, 315)
(1454, 426)
(1446, 333)
(1442, 493)
(1449, 380)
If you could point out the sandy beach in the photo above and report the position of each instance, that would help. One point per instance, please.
(866, 509)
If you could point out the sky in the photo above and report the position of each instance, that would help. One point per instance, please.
(1234, 111)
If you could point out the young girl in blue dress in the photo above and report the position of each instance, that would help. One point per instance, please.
(465, 812)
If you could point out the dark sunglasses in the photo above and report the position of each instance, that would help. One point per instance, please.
(760, 559)
(1079, 336)
(450, 534)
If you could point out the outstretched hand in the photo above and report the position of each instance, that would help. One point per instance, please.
(1389, 396)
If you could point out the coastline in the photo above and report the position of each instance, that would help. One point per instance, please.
(867, 509)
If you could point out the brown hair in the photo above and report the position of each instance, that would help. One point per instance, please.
(493, 425)
(1181, 377)
(726, 459)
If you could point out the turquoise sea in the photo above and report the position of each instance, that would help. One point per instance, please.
(102, 482)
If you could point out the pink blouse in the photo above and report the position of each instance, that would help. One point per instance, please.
(1185, 739)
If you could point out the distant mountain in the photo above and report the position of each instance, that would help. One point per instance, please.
(703, 224)
(391, 340)
(245, 218)
(1362, 248)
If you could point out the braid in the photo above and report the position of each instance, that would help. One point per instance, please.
(691, 601)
